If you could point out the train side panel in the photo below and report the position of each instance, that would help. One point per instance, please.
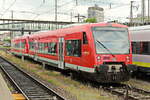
(75, 49)
(141, 49)
(78, 54)
(20, 47)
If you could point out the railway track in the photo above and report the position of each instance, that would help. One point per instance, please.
(31, 91)
(128, 92)
(31, 88)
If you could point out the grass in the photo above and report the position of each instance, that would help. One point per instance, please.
(75, 88)
(5, 47)
(142, 64)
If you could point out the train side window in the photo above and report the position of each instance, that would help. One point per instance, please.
(52, 48)
(85, 41)
(73, 48)
(17, 45)
(31, 45)
(136, 47)
(45, 47)
(40, 47)
(141, 48)
(146, 48)
(23, 44)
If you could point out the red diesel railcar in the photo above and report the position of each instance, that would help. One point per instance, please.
(100, 51)
(20, 46)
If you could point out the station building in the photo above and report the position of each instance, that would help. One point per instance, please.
(96, 12)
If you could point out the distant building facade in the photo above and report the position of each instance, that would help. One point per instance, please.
(4, 36)
(96, 12)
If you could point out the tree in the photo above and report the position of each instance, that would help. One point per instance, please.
(91, 20)
(7, 39)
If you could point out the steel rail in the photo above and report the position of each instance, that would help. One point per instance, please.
(29, 86)
(127, 91)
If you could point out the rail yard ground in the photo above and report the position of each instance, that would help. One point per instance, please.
(139, 84)
(71, 88)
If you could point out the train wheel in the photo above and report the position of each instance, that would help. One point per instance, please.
(65, 72)
(73, 75)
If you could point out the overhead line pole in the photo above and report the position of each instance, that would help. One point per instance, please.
(110, 6)
(12, 14)
(76, 2)
(143, 10)
(71, 17)
(79, 16)
(56, 10)
(148, 11)
(11, 32)
(131, 13)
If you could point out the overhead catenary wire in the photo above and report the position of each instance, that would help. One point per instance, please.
(60, 6)
(68, 13)
(40, 6)
(52, 10)
(65, 7)
(31, 12)
(8, 8)
(3, 4)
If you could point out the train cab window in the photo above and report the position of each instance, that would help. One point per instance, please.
(85, 41)
(52, 48)
(73, 48)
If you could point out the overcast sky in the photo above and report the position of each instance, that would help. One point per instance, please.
(44, 9)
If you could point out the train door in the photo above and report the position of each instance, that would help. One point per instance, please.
(61, 53)
(35, 43)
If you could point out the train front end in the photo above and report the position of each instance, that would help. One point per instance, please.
(113, 53)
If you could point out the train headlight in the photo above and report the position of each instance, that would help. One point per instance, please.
(98, 58)
(128, 59)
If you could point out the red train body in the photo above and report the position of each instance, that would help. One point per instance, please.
(101, 51)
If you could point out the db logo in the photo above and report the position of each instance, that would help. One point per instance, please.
(114, 59)
(86, 53)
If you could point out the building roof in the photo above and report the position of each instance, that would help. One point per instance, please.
(96, 8)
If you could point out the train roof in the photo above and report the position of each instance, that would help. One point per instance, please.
(140, 33)
(72, 28)
(138, 28)
(75, 24)
(91, 24)
(20, 37)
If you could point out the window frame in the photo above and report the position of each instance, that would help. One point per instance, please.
(80, 51)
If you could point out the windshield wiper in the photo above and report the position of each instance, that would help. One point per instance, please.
(105, 47)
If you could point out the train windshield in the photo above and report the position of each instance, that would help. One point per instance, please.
(111, 40)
